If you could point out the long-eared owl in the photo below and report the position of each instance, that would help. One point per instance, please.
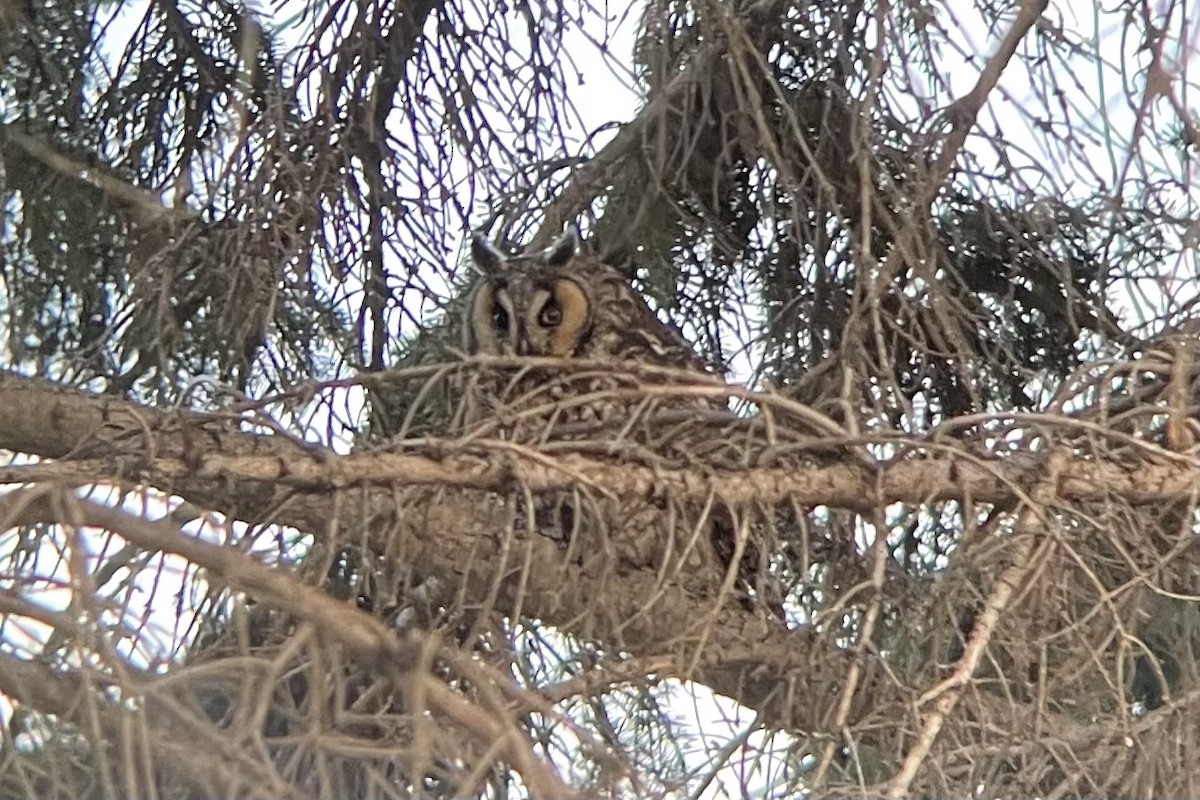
(558, 303)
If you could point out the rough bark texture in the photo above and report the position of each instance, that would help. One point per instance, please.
(644, 584)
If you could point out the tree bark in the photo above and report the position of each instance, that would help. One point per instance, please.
(642, 585)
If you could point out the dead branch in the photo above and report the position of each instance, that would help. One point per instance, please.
(362, 636)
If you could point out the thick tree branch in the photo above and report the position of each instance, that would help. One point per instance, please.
(1031, 528)
(362, 636)
(496, 466)
(202, 756)
(440, 507)
(107, 438)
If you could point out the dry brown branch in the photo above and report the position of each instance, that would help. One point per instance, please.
(145, 205)
(961, 115)
(174, 447)
(193, 750)
(952, 550)
(363, 637)
(195, 455)
(1031, 530)
(1179, 435)
(592, 179)
(964, 111)
(494, 466)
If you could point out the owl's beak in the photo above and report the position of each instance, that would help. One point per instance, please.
(521, 344)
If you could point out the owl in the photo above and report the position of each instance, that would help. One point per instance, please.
(558, 303)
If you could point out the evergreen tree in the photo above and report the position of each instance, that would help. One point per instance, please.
(249, 550)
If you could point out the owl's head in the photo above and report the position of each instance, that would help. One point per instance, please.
(529, 305)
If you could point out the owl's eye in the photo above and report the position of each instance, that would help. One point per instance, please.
(551, 315)
(499, 318)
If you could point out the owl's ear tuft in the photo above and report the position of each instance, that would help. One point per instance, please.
(484, 255)
(562, 251)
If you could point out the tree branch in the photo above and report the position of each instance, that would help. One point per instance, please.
(444, 509)
(364, 637)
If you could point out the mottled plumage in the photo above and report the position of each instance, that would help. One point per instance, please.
(560, 304)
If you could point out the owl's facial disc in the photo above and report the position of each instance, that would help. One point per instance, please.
(502, 320)
(491, 328)
(567, 315)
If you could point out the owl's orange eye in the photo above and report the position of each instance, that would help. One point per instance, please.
(551, 315)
